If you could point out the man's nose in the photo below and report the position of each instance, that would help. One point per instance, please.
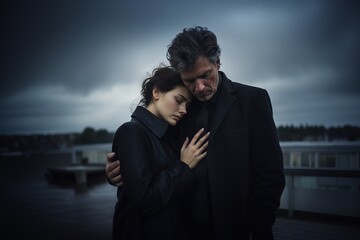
(199, 85)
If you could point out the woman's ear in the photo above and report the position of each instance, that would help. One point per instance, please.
(156, 94)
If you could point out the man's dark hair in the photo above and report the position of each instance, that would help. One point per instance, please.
(190, 44)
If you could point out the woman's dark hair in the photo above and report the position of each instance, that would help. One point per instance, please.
(190, 44)
(163, 78)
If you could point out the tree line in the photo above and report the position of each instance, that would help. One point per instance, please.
(318, 133)
(90, 135)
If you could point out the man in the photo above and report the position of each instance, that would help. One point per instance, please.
(241, 179)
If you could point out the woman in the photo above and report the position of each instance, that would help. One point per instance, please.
(156, 176)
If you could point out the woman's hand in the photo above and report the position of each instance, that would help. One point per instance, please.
(192, 153)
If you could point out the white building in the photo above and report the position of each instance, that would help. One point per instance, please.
(322, 177)
(90, 153)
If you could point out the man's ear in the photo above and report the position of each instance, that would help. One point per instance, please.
(218, 64)
(156, 94)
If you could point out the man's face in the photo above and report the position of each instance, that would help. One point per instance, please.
(203, 79)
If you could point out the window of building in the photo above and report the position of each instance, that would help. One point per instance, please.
(343, 160)
(295, 158)
(305, 159)
(327, 160)
(308, 159)
(286, 159)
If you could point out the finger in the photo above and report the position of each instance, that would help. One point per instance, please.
(115, 172)
(110, 157)
(196, 137)
(109, 166)
(201, 156)
(186, 142)
(117, 179)
(114, 165)
(203, 139)
(204, 146)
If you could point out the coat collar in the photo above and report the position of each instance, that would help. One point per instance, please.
(154, 124)
(224, 101)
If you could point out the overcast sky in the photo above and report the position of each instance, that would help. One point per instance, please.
(72, 64)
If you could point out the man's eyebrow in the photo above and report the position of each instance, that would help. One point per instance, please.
(199, 76)
(205, 73)
(188, 79)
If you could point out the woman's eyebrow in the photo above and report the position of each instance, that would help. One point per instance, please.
(184, 98)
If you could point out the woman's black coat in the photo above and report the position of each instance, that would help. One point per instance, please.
(154, 180)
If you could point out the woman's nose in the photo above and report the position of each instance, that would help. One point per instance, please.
(182, 110)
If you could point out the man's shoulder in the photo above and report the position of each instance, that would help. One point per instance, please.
(243, 90)
(241, 87)
(245, 87)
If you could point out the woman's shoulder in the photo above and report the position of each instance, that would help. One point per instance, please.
(130, 134)
(131, 127)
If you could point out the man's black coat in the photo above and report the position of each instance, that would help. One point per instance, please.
(244, 176)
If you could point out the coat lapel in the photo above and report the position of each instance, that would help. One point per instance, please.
(223, 105)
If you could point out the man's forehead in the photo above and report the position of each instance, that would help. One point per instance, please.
(195, 72)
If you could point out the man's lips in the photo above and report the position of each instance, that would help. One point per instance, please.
(202, 95)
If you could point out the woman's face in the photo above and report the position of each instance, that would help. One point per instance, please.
(171, 106)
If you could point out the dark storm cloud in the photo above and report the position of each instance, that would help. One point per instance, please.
(56, 42)
(306, 56)
(69, 42)
(312, 37)
(299, 50)
(333, 34)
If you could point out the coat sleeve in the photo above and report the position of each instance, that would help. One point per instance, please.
(148, 193)
(268, 179)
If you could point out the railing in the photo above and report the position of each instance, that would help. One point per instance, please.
(334, 201)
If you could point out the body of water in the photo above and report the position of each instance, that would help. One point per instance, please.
(34, 206)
